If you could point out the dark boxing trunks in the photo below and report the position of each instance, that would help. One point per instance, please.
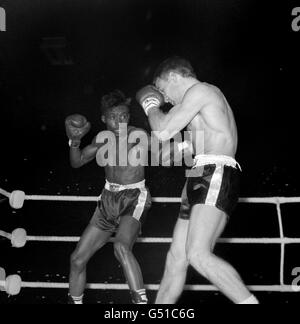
(214, 181)
(118, 201)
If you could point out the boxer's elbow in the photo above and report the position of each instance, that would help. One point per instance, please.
(76, 164)
(163, 135)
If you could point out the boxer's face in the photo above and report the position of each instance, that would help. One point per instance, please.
(116, 116)
(169, 88)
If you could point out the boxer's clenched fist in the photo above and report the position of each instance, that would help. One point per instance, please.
(149, 97)
(77, 127)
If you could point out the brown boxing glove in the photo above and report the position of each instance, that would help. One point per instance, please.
(77, 127)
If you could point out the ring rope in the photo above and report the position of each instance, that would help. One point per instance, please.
(282, 240)
(282, 246)
(4, 193)
(94, 286)
(260, 200)
(163, 240)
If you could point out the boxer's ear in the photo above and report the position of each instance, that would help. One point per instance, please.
(103, 119)
(173, 77)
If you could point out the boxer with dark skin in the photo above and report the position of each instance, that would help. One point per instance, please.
(125, 199)
(212, 188)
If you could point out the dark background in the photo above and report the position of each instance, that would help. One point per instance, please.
(245, 47)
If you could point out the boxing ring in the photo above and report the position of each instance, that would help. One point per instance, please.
(17, 199)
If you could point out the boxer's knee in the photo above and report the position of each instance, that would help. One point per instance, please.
(176, 262)
(201, 260)
(78, 262)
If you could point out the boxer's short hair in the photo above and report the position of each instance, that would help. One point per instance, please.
(174, 64)
(114, 99)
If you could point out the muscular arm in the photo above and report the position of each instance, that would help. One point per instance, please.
(78, 157)
(159, 120)
(142, 143)
(181, 115)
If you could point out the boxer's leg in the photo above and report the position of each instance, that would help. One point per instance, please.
(126, 236)
(174, 277)
(206, 224)
(91, 241)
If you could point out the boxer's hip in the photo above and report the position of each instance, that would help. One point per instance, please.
(218, 160)
(214, 181)
(117, 201)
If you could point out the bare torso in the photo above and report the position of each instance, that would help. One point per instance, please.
(128, 174)
(216, 122)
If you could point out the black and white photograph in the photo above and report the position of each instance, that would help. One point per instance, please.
(149, 154)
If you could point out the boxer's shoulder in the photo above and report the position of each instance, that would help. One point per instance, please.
(203, 88)
(204, 93)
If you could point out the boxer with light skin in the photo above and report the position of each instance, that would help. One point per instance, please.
(211, 193)
(124, 202)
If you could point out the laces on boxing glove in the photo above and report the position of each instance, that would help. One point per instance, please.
(74, 143)
(150, 103)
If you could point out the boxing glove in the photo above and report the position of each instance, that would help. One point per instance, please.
(77, 127)
(149, 97)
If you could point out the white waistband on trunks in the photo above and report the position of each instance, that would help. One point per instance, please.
(205, 159)
(114, 187)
